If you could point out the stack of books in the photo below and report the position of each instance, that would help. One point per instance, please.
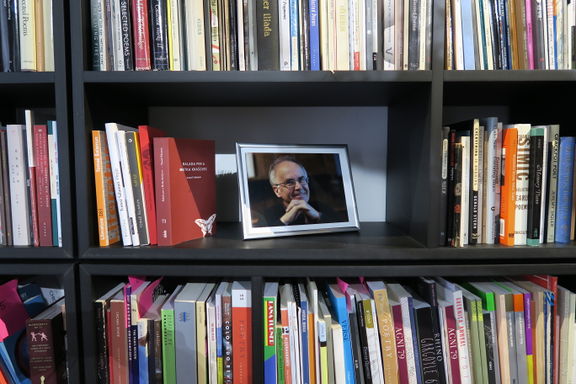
(296, 35)
(151, 189)
(30, 210)
(26, 36)
(195, 333)
(510, 34)
(509, 184)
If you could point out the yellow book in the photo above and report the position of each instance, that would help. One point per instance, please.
(39, 33)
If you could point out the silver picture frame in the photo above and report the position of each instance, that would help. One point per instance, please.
(325, 184)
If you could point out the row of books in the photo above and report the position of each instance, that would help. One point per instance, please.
(151, 189)
(33, 334)
(419, 330)
(26, 35)
(224, 35)
(506, 184)
(193, 333)
(30, 210)
(510, 34)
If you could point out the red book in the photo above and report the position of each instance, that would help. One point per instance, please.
(141, 36)
(185, 183)
(119, 341)
(551, 284)
(2, 377)
(400, 344)
(43, 196)
(147, 134)
(242, 332)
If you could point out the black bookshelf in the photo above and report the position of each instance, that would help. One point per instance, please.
(65, 277)
(30, 90)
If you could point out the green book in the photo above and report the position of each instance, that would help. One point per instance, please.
(168, 339)
(270, 316)
(280, 355)
(473, 306)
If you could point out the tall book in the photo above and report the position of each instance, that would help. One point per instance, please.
(46, 345)
(20, 207)
(108, 226)
(195, 35)
(136, 180)
(44, 205)
(522, 183)
(535, 186)
(270, 348)
(185, 189)
(220, 330)
(118, 336)
(268, 35)
(141, 36)
(168, 338)
(338, 302)
(121, 139)
(6, 182)
(55, 182)
(508, 189)
(565, 189)
(27, 28)
(149, 346)
(242, 332)
(158, 35)
(202, 334)
(30, 121)
(444, 185)
(553, 145)
(492, 180)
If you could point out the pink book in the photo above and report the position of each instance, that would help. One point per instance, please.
(44, 202)
(529, 36)
(13, 314)
(400, 346)
(141, 36)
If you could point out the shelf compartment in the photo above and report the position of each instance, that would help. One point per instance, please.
(33, 253)
(64, 275)
(509, 76)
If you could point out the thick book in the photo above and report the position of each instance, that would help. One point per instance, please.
(552, 180)
(202, 333)
(159, 35)
(535, 185)
(46, 345)
(508, 185)
(270, 347)
(141, 36)
(493, 156)
(40, 139)
(565, 189)
(168, 338)
(522, 183)
(242, 332)
(268, 35)
(338, 303)
(185, 189)
(19, 201)
(108, 225)
(195, 35)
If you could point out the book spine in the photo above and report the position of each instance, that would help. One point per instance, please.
(215, 48)
(168, 347)
(27, 29)
(3, 202)
(162, 185)
(452, 342)
(508, 189)
(491, 358)
(535, 188)
(175, 37)
(414, 35)
(6, 182)
(158, 35)
(529, 308)
(102, 372)
(426, 343)
(522, 184)
(544, 183)
(553, 153)
(119, 343)
(456, 191)
(294, 46)
(565, 185)
(186, 350)
(386, 330)
(444, 186)
(284, 35)
(465, 192)
(314, 37)
(128, 190)
(99, 49)
(280, 355)
(147, 162)
(195, 43)
(126, 35)
(463, 339)
(135, 167)
(31, 181)
(474, 202)
(55, 183)
(286, 349)
(141, 37)
(227, 336)
(304, 34)
(242, 336)
(270, 357)
(494, 157)
(43, 185)
(268, 35)
(451, 182)
(364, 348)
(41, 349)
(18, 195)
(400, 345)
(48, 34)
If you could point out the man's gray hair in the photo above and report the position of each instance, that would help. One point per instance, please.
(279, 160)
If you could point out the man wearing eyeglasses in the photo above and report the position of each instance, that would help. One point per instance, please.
(290, 184)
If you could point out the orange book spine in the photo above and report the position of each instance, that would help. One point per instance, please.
(286, 345)
(2, 378)
(241, 334)
(508, 189)
(311, 348)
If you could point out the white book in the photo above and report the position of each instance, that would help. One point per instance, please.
(565, 313)
(389, 35)
(211, 345)
(116, 26)
(493, 158)
(175, 30)
(284, 33)
(487, 9)
(559, 32)
(27, 34)
(332, 60)
(313, 308)
(240, 35)
(422, 18)
(202, 333)
(31, 162)
(550, 33)
(544, 195)
(554, 148)
(99, 36)
(338, 342)
(571, 22)
(522, 183)
(55, 177)
(352, 33)
(48, 25)
(17, 172)
(398, 34)
(398, 293)
(465, 197)
(128, 191)
(452, 294)
(323, 20)
(194, 30)
(111, 138)
(252, 54)
(458, 45)
(374, 342)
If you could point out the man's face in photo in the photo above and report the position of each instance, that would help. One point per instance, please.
(290, 182)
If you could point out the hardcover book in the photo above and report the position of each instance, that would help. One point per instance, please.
(185, 189)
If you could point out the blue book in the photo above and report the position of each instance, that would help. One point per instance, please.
(14, 353)
(303, 301)
(340, 311)
(294, 34)
(468, 35)
(564, 193)
(314, 37)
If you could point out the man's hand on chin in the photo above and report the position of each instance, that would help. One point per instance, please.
(298, 207)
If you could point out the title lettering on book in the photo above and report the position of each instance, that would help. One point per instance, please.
(193, 166)
(271, 321)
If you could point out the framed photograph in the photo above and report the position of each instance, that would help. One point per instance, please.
(288, 190)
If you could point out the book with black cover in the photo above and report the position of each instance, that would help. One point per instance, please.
(268, 35)
(126, 29)
(159, 35)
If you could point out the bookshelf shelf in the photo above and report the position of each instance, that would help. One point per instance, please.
(509, 76)
(31, 253)
(26, 78)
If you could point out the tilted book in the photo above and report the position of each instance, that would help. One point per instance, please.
(185, 189)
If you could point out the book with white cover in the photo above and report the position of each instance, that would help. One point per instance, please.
(128, 190)
(338, 342)
(17, 171)
(211, 336)
(48, 25)
(522, 183)
(27, 34)
(174, 8)
(492, 178)
(194, 31)
(202, 334)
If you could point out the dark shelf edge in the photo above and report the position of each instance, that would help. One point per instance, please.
(510, 76)
(34, 253)
(26, 78)
(255, 76)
